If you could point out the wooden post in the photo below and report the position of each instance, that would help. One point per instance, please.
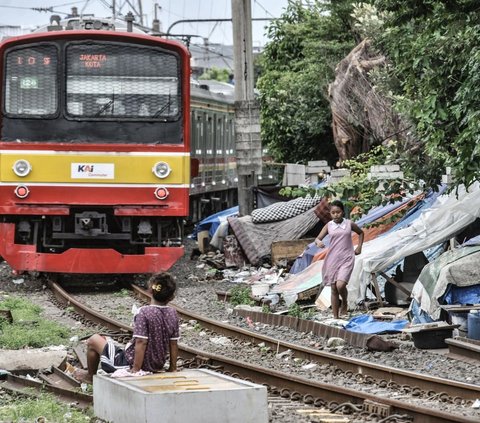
(377, 289)
(395, 283)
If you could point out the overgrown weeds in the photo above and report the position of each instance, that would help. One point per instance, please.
(240, 295)
(31, 409)
(29, 328)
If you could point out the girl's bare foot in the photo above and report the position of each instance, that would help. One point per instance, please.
(343, 312)
(82, 376)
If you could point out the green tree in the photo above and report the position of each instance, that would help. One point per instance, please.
(216, 74)
(297, 66)
(434, 48)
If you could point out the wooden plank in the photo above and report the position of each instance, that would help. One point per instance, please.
(395, 283)
(289, 250)
(81, 353)
(377, 289)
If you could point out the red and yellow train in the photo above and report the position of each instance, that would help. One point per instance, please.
(94, 151)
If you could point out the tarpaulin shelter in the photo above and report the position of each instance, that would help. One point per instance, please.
(256, 239)
(211, 223)
(385, 223)
(445, 218)
(457, 267)
(311, 276)
(377, 239)
(374, 214)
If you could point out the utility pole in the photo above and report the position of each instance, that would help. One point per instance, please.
(247, 112)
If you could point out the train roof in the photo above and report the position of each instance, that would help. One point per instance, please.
(87, 22)
(212, 90)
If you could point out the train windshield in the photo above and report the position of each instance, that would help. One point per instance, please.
(106, 80)
(31, 83)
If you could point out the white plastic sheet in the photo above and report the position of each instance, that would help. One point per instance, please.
(447, 216)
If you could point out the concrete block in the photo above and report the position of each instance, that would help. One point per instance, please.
(385, 175)
(340, 172)
(294, 174)
(32, 358)
(447, 179)
(194, 396)
(385, 168)
(318, 169)
(314, 163)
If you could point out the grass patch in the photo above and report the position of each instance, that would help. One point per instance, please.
(29, 329)
(241, 295)
(122, 293)
(30, 409)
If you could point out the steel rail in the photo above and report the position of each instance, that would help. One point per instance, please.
(327, 392)
(17, 384)
(63, 297)
(376, 371)
(464, 349)
(290, 382)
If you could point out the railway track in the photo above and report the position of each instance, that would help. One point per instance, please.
(307, 390)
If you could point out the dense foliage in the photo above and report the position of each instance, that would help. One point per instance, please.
(434, 47)
(216, 74)
(297, 66)
(431, 76)
(359, 192)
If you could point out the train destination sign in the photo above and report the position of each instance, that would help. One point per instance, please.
(93, 60)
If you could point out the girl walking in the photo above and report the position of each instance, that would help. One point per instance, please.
(340, 259)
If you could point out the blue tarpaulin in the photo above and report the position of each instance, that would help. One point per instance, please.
(211, 223)
(462, 294)
(365, 323)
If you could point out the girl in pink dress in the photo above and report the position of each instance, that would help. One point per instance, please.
(340, 259)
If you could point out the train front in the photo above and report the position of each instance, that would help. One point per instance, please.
(94, 152)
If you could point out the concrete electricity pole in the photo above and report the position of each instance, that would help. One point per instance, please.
(247, 113)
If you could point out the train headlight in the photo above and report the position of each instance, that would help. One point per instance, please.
(161, 170)
(22, 168)
(161, 193)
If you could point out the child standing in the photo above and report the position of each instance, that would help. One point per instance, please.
(340, 259)
(155, 335)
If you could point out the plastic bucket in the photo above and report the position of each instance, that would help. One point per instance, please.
(473, 324)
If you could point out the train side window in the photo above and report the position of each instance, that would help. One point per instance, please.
(209, 136)
(220, 144)
(109, 80)
(31, 82)
(199, 135)
(230, 136)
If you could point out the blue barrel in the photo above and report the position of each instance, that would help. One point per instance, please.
(474, 324)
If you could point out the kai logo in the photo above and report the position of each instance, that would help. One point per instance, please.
(85, 168)
(92, 171)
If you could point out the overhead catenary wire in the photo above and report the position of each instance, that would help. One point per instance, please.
(263, 8)
(46, 9)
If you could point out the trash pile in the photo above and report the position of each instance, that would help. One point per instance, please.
(419, 252)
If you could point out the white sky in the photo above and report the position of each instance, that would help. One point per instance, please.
(17, 12)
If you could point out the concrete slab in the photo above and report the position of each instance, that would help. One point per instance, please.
(32, 359)
(194, 396)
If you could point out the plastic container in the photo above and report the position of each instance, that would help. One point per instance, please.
(431, 339)
(473, 331)
(260, 289)
(460, 319)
